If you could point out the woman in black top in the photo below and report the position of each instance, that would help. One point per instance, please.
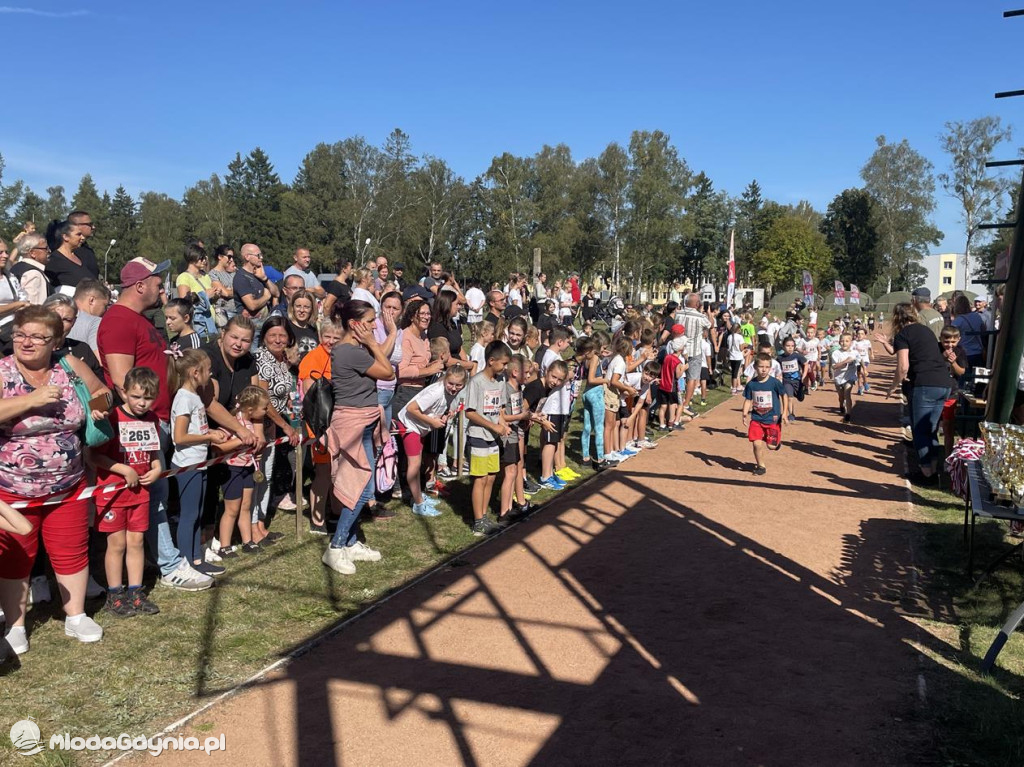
(919, 360)
(443, 325)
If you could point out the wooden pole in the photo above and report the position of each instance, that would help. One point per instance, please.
(300, 455)
(460, 443)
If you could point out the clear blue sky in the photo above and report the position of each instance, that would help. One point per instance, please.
(790, 93)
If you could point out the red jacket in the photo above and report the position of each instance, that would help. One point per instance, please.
(574, 290)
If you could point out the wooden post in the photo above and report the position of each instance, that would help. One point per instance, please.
(300, 455)
(460, 442)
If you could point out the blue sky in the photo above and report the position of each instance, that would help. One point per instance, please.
(794, 93)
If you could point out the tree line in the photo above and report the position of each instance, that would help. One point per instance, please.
(638, 213)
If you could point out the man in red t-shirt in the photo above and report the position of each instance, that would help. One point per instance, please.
(126, 339)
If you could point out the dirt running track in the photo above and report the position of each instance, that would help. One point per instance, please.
(675, 611)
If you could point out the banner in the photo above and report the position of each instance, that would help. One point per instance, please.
(731, 291)
(840, 294)
(854, 294)
(808, 289)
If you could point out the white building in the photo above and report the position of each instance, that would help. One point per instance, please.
(944, 272)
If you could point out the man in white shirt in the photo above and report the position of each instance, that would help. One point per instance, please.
(92, 299)
(301, 268)
(475, 300)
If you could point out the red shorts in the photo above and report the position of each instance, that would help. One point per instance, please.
(134, 519)
(65, 529)
(412, 442)
(768, 432)
(949, 409)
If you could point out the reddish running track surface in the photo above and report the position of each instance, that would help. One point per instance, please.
(674, 611)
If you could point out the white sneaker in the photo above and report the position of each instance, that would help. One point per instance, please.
(210, 555)
(18, 640)
(39, 590)
(648, 444)
(286, 504)
(186, 578)
(85, 629)
(337, 560)
(363, 553)
(93, 589)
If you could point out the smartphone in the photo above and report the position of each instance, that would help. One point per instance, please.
(101, 402)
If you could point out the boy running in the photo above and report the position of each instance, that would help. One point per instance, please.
(762, 406)
(844, 374)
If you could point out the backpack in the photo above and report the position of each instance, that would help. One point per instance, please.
(318, 406)
(386, 471)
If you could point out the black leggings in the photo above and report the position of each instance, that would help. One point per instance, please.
(735, 366)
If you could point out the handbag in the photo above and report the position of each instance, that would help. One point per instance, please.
(318, 405)
(96, 432)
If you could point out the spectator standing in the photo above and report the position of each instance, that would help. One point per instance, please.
(92, 299)
(12, 297)
(223, 276)
(126, 340)
(253, 290)
(300, 266)
(338, 290)
(65, 267)
(196, 285)
(922, 298)
(971, 325)
(30, 270)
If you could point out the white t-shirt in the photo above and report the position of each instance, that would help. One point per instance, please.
(849, 373)
(433, 400)
(735, 341)
(550, 355)
(863, 349)
(813, 318)
(636, 378)
(564, 304)
(475, 300)
(810, 349)
(618, 366)
(773, 331)
(362, 294)
(478, 354)
(188, 403)
(705, 352)
(749, 372)
(515, 297)
(557, 402)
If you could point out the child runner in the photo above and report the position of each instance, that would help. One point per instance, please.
(862, 345)
(811, 350)
(956, 357)
(132, 456)
(191, 435)
(792, 364)
(762, 405)
(844, 374)
(555, 409)
(486, 401)
(512, 497)
(429, 409)
(736, 356)
(251, 408)
(776, 371)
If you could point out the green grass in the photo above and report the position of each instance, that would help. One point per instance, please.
(148, 671)
(975, 718)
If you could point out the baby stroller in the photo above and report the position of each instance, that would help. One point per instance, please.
(610, 312)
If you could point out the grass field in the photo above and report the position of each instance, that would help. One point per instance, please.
(976, 719)
(150, 670)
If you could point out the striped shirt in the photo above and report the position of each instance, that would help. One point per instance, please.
(694, 322)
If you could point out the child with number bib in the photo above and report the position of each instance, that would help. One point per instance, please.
(762, 405)
(132, 457)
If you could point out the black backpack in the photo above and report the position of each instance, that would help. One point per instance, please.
(318, 405)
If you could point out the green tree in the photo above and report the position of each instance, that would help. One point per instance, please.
(440, 196)
(1000, 244)
(395, 197)
(56, 206)
(31, 207)
(208, 213)
(851, 236)
(509, 203)
(87, 198)
(123, 223)
(748, 209)
(10, 197)
(557, 226)
(161, 229)
(254, 193)
(319, 201)
(706, 247)
(658, 183)
(613, 201)
(790, 245)
(900, 180)
(970, 145)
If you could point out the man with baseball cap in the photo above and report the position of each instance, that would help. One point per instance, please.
(126, 339)
(927, 316)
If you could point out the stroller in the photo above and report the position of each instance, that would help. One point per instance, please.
(610, 312)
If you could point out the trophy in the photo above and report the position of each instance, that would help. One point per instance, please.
(994, 437)
(1013, 463)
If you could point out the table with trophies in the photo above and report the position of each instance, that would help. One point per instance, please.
(997, 492)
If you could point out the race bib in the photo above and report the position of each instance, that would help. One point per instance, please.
(790, 366)
(515, 403)
(139, 437)
(492, 402)
(763, 401)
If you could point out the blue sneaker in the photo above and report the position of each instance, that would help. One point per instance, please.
(551, 483)
(425, 510)
(628, 452)
(867, 387)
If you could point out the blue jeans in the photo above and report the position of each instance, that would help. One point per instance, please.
(158, 536)
(593, 421)
(191, 492)
(347, 533)
(926, 403)
(384, 397)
